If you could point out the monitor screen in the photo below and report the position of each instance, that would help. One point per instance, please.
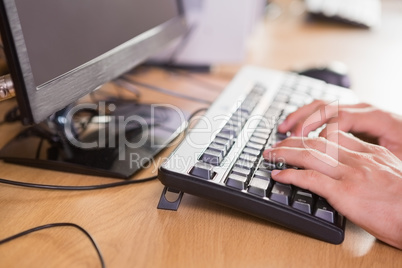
(59, 50)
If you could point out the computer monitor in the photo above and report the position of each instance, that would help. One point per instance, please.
(59, 51)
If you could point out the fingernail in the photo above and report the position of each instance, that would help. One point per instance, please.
(266, 152)
(275, 172)
(282, 125)
(276, 144)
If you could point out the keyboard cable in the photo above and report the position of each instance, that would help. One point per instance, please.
(52, 225)
(165, 91)
(78, 188)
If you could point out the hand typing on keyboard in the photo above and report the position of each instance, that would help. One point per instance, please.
(361, 180)
(359, 118)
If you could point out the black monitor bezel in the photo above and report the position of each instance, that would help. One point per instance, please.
(37, 103)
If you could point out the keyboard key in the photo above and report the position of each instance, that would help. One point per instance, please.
(246, 109)
(263, 174)
(251, 151)
(244, 164)
(281, 119)
(282, 98)
(241, 114)
(272, 140)
(302, 88)
(289, 109)
(276, 107)
(273, 114)
(240, 120)
(264, 128)
(259, 89)
(218, 147)
(266, 166)
(258, 140)
(224, 142)
(281, 136)
(260, 133)
(230, 130)
(316, 93)
(237, 181)
(255, 146)
(225, 136)
(298, 101)
(259, 186)
(324, 210)
(303, 201)
(203, 170)
(248, 157)
(281, 193)
(212, 157)
(234, 123)
(242, 171)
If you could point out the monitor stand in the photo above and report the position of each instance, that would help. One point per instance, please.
(112, 139)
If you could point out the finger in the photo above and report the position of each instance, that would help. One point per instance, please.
(367, 120)
(318, 112)
(310, 180)
(341, 146)
(321, 144)
(347, 141)
(299, 115)
(332, 146)
(305, 158)
(367, 150)
(316, 119)
(357, 105)
(354, 149)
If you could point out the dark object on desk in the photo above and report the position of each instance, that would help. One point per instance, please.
(335, 73)
(180, 67)
(153, 128)
(358, 13)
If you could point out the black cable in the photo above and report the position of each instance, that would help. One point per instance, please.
(165, 91)
(194, 114)
(51, 225)
(190, 75)
(127, 86)
(76, 188)
(12, 115)
(112, 97)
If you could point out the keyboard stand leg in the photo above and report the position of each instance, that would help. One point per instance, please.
(165, 203)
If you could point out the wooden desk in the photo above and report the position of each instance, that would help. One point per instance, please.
(374, 57)
(124, 221)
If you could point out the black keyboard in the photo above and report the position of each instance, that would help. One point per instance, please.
(221, 157)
